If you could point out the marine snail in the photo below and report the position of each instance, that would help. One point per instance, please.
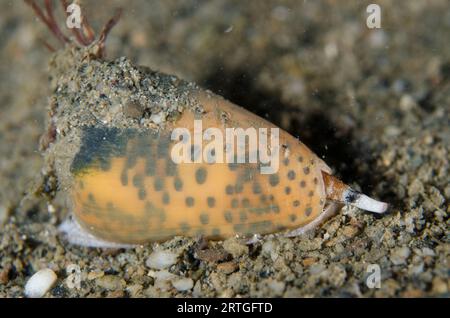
(114, 129)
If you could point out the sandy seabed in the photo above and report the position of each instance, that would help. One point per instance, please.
(373, 103)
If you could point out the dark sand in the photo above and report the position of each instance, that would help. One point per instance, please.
(374, 104)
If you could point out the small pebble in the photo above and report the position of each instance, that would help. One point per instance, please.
(268, 247)
(439, 286)
(400, 255)
(227, 267)
(407, 103)
(110, 282)
(197, 291)
(212, 255)
(412, 293)
(3, 214)
(133, 110)
(162, 279)
(426, 251)
(351, 231)
(161, 259)
(51, 209)
(392, 131)
(235, 247)
(4, 274)
(416, 188)
(40, 283)
(308, 261)
(95, 274)
(134, 290)
(378, 38)
(183, 284)
(116, 294)
(436, 196)
(316, 269)
(277, 287)
(157, 118)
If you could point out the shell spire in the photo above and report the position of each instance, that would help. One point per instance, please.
(338, 191)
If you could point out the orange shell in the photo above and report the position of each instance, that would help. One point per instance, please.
(128, 190)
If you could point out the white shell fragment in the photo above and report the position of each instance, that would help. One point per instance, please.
(161, 259)
(40, 283)
(163, 279)
(183, 284)
(157, 118)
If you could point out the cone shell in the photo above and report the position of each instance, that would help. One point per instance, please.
(127, 189)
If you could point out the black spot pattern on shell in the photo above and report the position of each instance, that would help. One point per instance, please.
(200, 175)
(190, 201)
(211, 202)
(274, 179)
(287, 190)
(178, 184)
(291, 175)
